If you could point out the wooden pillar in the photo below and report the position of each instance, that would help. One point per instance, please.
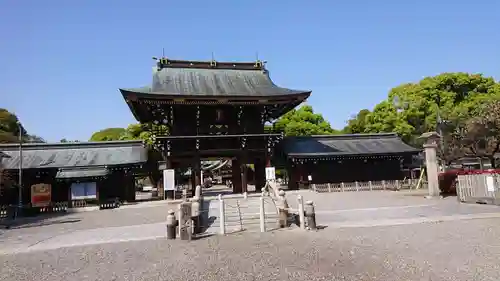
(195, 174)
(236, 179)
(260, 173)
(244, 177)
(293, 182)
(131, 187)
(268, 160)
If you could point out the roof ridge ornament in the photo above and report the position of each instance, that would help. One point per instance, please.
(213, 62)
(161, 62)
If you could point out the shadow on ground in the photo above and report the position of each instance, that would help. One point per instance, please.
(36, 221)
(206, 221)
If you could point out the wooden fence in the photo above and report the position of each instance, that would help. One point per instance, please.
(479, 188)
(367, 186)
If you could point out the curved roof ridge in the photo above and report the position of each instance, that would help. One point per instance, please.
(351, 136)
(72, 145)
(211, 64)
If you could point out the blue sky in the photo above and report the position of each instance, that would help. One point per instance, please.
(63, 61)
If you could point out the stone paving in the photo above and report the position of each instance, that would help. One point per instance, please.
(140, 230)
(458, 251)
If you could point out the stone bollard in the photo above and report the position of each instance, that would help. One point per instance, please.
(196, 214)
(263, 190)
(197, 191)
(185, 228)
(310, 215)
(184, 194)
(283, 210)
(171, 225)
(302, 220)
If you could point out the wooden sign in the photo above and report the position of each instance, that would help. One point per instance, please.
(169, 179)
(270, 173)
(41, 195)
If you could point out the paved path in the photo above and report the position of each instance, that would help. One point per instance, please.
(13, 242)
(446, 251)
(145, 221)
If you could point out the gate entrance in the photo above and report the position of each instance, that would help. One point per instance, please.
(213, 110)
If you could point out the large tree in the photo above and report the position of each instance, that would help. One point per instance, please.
(357, 123)
(108, 134)
(10, 127)
(481, 134)
(303, 122)
(415, 108)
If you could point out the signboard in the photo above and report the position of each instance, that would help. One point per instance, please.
(41, 195)
(169, 179)
(83, 190)
(309, 178)
(490, 183)
(270, 174)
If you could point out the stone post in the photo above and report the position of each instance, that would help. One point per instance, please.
(431, 163)
(262, 214)
(310, 214)
(197, 192)
(302, 220)
(171, 225)
(185, 228)
(283, 210)
(196, 214)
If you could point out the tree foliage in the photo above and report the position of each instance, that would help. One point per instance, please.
(146, 132)
(480, 135)
(10, 127)
(108, 134)
(303, 122)
(68, 141)
(414, 108)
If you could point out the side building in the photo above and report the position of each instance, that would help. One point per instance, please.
(77, 173)
(345, 158)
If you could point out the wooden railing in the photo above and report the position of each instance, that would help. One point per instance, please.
(367, 186)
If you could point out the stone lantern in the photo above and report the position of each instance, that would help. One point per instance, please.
(430, 149)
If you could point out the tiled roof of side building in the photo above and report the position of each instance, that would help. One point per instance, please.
(69, 155)
(346, 145)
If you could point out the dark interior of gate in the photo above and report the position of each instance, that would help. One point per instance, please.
(214, 110)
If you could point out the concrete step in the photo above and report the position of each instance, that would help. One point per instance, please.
(240, 214)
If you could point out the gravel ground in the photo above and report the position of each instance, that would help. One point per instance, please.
(459, 250)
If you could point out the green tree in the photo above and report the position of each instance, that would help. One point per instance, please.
(35, 139)
(481, 134)
(303, 122)
(357, 124)
(109, 134)
(64, 140)
(414, 108)
(9, 129)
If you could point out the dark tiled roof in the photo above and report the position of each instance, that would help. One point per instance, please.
(68, 155)
(186, 78)
(81, 172)
(345, 145)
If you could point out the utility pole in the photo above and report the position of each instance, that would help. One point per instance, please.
(20, 179)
